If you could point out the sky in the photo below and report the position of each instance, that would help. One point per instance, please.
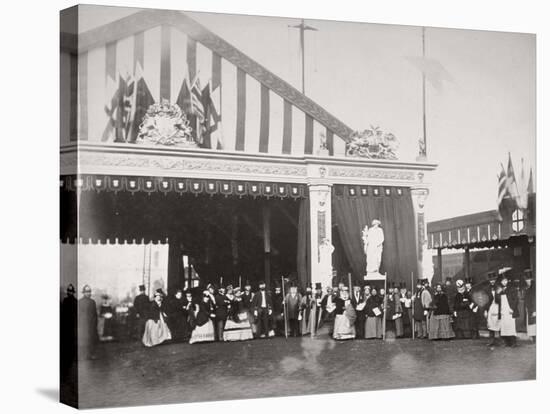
(480, 99)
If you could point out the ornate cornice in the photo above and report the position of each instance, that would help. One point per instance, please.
(368, 173)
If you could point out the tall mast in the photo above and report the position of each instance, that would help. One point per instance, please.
(303, 27)
(423, 146)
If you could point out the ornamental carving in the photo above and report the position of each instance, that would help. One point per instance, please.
(370, 173)
(166, 124)
(372, 143)
(174, 163)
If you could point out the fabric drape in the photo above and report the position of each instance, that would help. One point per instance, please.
(302, 259)
(395, 210)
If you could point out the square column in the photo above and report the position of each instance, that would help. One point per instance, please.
(320, 213)
(425, 266)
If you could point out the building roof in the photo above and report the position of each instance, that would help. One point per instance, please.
(486, 228)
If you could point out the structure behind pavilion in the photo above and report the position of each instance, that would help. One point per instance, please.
(256, 188)
(485, 242)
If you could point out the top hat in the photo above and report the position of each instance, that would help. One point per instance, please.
(141, 288)
(448, 279)
(318, 286)
(468, 280)
(104, 296)
(160, 292)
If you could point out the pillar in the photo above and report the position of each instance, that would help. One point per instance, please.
(439, 265)
(419, 195)
(266, 220)
(320, 213)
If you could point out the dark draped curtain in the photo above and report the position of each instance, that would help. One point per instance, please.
(354, 209)
(302, 259)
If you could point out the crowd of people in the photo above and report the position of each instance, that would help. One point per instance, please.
(442, 311)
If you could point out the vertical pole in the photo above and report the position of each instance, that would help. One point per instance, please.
(412, 305)
(149, 272)
(385, 302)
(284, 306)
(424, 92)
(440, 264)
(302, 46)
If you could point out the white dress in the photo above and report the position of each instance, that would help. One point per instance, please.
(507, 322)
(493, 322)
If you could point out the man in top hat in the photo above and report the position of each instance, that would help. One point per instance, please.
(263, 308)
(87, 324)
(222, 304)
(531, 305)
(358, 303)
(277, 317)
(141, 307)
(247, 297)
(327, 310)
(450, 291)
(293, 300)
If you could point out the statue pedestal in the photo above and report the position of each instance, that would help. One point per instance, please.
(374, 276)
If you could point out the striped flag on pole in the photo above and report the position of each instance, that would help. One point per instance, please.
(502, 191)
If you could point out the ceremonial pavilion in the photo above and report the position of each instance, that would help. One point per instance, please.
(269, 176)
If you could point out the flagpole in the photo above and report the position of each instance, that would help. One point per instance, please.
(412, 305)
(384, 304)
(284, 306)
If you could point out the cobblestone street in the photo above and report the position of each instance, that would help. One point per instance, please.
(129, 374)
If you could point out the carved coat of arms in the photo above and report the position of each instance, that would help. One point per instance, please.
(372, 143)
(166, 124)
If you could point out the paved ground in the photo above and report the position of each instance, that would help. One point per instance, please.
(129, 374)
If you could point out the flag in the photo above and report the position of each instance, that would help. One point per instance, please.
(211, 124)
(432, 69)
(511, 182)
(502, 191)
(216, 101)
(143, 99)
(184, 97)
(119, 111)
(530, 187)
(522, 189)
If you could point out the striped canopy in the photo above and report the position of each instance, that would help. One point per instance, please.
(233, 103)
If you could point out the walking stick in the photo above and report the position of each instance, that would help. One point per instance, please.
(284, 306)
(240, 281)
(412, 306)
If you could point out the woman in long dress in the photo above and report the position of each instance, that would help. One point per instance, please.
(373, 310)
(308, 309)
(463, 312)
(439, 326)
(204, 327)
(344, 322)
(237, 326)
(508, 313)
(156, 329)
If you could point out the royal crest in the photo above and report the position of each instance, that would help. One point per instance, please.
(166, 124)
(372, 143)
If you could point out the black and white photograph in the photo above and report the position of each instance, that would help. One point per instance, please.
(258, 206)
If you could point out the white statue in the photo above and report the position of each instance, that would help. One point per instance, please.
(373, 239)
(325, 262)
